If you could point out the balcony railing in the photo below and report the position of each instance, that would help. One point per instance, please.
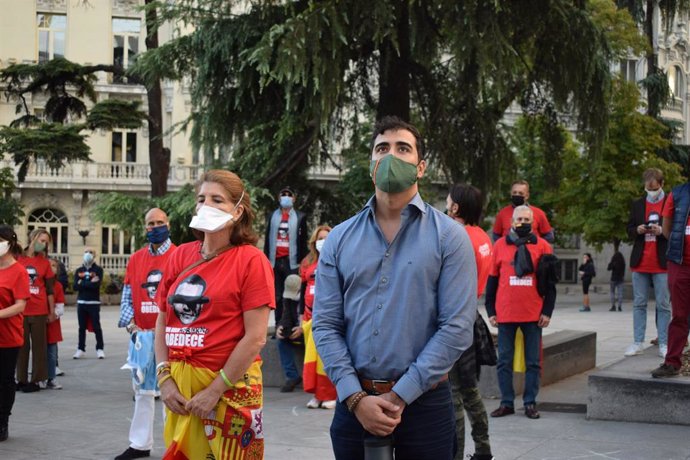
(114, 264)
(103, 176)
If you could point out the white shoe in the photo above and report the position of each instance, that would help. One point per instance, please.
(314, 403)
(52, 384)
(635, 349)
(78, 354)
(59, 372)
(328, 404)
(663, 349)
(100, 354)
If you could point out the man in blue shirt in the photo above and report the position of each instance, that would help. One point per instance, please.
(395, 304)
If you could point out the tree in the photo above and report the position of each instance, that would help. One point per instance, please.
(274, 83)
(11, 210)
(68, 85)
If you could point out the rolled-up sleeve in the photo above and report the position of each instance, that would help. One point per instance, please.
(457, 309)
(329, 323)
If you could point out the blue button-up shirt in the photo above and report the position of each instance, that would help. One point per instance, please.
(401, 311)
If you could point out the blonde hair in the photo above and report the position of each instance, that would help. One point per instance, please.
(35, 233)
(313, 255)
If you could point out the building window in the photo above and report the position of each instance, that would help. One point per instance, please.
(56, 223)
(567, 269)
(126, 34)
(124, 147)
(675, 81)
(51, 36)
(116, 242)
(628, 70)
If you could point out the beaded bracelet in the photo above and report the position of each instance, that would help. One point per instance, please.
(162, 370)
(165, 377)
(355, 400)
(225, 378)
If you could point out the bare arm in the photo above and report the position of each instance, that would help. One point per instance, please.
(161, 349)
(170, 394)
(666, 227)
(13, 310)
(244, 354)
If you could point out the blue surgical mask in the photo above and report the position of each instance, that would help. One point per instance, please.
(158, 235)
(286, 202)
(88, 258)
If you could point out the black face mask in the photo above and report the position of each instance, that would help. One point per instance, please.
(518, 200)
(523, 230)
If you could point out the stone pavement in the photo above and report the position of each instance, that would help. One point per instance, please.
(89, 418)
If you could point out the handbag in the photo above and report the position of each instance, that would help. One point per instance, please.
(484, 343)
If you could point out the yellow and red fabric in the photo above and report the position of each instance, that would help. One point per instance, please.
(234, 428)
(314, 378)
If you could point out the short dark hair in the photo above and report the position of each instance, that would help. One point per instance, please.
(8, 234)
(393, 123)
(470, 201)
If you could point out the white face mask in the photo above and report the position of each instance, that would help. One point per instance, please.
(4, 247)
(209, 219)
(653, 194)
(319, 244)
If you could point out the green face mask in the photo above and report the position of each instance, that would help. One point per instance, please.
(392, 175)
(39, 247)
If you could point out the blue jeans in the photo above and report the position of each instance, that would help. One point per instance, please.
(506, 351)
(286, 352)
(641, 284)
(427, 430)
(52, 360)
(617, 293)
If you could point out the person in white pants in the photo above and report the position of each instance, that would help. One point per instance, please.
(138, 313)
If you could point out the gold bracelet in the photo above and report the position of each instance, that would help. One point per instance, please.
(162, 369)
(225, 378)
(165, 377)
(355, 400)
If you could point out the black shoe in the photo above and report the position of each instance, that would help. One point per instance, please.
(20, 386)
(665, 370)
(3, 433)
(620, 308)
(290, 385)
(30, 387)
(531, 411)
(613, 308)
(476, 456)
(585, 308)
(502, 411)
(133, 453)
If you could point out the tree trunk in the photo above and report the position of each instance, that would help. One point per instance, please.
(159, 157)
(394, 69)
(653, 104)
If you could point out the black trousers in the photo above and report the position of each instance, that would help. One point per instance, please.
(281, 270)
(8, 362)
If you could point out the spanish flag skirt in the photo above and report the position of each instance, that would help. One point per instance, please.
(234, 429)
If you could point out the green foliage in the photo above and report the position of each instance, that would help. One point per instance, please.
(11, 210)
(115, 113)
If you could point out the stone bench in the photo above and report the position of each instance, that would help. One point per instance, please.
(566, 353)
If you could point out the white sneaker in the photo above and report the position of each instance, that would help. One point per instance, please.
(663, 349)
(100, 354)
(328, 404)
(78, 354)
(52, 384)
(635, 349)
(314, 403)
(59, 372)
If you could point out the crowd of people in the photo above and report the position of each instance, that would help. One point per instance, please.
(383, 305)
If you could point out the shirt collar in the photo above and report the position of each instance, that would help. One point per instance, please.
(162, 249)
(416, 201)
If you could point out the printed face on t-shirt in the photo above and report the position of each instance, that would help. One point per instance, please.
(33, 274)
(188, 299)
(151, 285)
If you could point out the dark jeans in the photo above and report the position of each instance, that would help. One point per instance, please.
(281, 270)
(427, 430)
(288, 361)
(506, 351)
(8, 362)
(93, 312)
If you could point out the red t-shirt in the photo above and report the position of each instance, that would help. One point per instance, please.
(144, 273)
(481, 243)
(205, 305)
(184, 255)
(283, 240)
(517, 299)
(14, 285)
(504, 220)
(39, 272)
(667, 213)
(54, 329)
(649, 263)
(308, 274)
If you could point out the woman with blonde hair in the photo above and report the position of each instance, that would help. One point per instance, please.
(39, 311)
(214, 300)
(313, 374)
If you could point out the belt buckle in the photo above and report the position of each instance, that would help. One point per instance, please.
(374, 382)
